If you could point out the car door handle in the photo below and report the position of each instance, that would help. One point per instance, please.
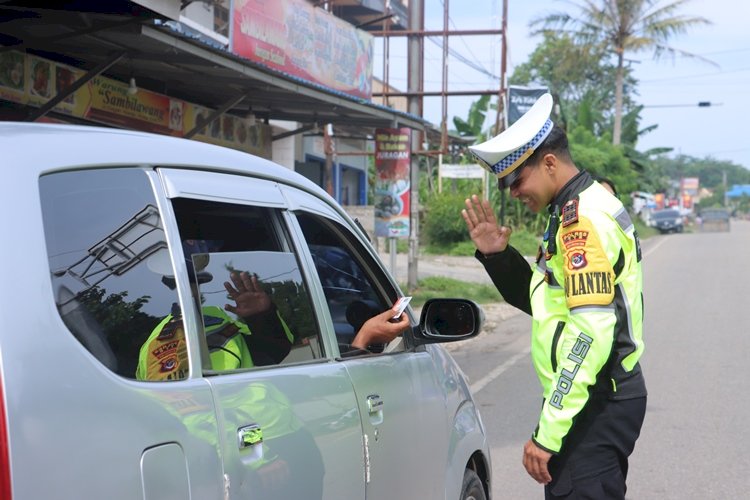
(374, 403)
(249, 435)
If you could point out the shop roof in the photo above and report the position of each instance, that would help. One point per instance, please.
(166, 57)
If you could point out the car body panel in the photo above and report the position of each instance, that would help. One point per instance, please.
(77, 430)
(714, 220)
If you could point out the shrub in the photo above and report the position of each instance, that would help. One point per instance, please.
(443, 224)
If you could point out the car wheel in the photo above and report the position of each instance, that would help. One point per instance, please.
(472, 488)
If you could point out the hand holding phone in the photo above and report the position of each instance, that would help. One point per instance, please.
(400, 306)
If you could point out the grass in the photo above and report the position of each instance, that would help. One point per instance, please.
(442, 287)
(644, 231)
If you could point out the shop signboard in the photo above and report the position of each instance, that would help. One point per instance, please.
(520, 100)
(296, 38)
(31, 80)
(392, 184)
(462, 171)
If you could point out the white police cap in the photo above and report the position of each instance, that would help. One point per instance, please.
(504, 153)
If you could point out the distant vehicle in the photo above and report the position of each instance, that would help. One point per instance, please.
(714, 219)
(667, 221)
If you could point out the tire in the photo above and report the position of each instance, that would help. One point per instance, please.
(472, 488)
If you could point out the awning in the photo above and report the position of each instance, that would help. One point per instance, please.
(166, 57)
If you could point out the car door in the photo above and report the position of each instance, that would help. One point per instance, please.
(100, 430)
(400, 399)
(289, 424)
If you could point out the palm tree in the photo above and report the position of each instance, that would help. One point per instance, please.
(623, 26)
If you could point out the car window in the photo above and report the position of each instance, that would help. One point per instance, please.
(354, 286)
(667, 214)
(246, 281)
(102, 231)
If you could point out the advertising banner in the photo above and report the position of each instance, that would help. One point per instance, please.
(304, 41)
(520, 100)
(32, 80)
(660, 201)
(690, 185)
(462, 171)
(392, 184)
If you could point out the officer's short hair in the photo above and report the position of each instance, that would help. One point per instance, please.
(555, 143)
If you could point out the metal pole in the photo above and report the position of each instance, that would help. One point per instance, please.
(392, 251)
(83, 80)
(444, 97)
(416, 56)
(328, 148)
(440, 173)
(501, 95)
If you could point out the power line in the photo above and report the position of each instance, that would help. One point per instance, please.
(703, 75)
(464, 60)
(463, 40)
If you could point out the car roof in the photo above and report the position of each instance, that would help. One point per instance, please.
(40, 148)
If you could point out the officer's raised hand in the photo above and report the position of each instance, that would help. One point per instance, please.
(250, 299)
(487, 236)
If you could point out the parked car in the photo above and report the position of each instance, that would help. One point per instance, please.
(668, 220)
(97, 226)
(714, 219)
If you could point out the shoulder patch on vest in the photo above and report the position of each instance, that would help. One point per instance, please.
(569, 213)
(589, 277)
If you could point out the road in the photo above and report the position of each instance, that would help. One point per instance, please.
(695, 438)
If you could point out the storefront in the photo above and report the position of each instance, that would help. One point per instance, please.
(147, 65)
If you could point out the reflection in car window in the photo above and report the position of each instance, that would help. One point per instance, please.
(102, 230)
(255, 306)
(351, 294)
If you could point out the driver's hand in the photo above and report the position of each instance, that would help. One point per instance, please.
(380, 329)
(249, 298)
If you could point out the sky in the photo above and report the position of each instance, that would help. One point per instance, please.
(669, 89)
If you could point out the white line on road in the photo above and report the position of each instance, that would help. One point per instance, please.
(481, 383)
(657, 245)
(484, 381)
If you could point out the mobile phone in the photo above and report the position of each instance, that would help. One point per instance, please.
(401, 304)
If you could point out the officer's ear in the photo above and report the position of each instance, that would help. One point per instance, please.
(549, 163)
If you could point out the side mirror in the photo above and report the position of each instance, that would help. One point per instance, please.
(449, 320)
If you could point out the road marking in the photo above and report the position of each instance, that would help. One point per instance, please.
(657, 245)
(481, 383)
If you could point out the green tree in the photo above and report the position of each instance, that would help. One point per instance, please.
(579, 78)
(474, 123)
(599, 156)
(620, 27)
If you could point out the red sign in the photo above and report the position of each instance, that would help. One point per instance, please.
(392, 185)
(294, 37)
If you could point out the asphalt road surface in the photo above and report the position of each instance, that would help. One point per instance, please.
(695, 443)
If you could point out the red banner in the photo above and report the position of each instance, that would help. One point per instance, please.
(294, 37)
(392, 186)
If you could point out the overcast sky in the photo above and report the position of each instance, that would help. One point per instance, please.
(673, 88)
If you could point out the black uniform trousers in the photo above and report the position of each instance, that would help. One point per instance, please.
(593, 463)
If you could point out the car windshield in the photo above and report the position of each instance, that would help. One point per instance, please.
(667, 214)
(715, 215)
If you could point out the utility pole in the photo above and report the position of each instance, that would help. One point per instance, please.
(414, 106)
(500, 125)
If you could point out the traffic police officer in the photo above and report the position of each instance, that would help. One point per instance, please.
(584, 294)
(261, 337)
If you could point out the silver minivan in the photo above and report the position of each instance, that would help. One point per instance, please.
(116, 358)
